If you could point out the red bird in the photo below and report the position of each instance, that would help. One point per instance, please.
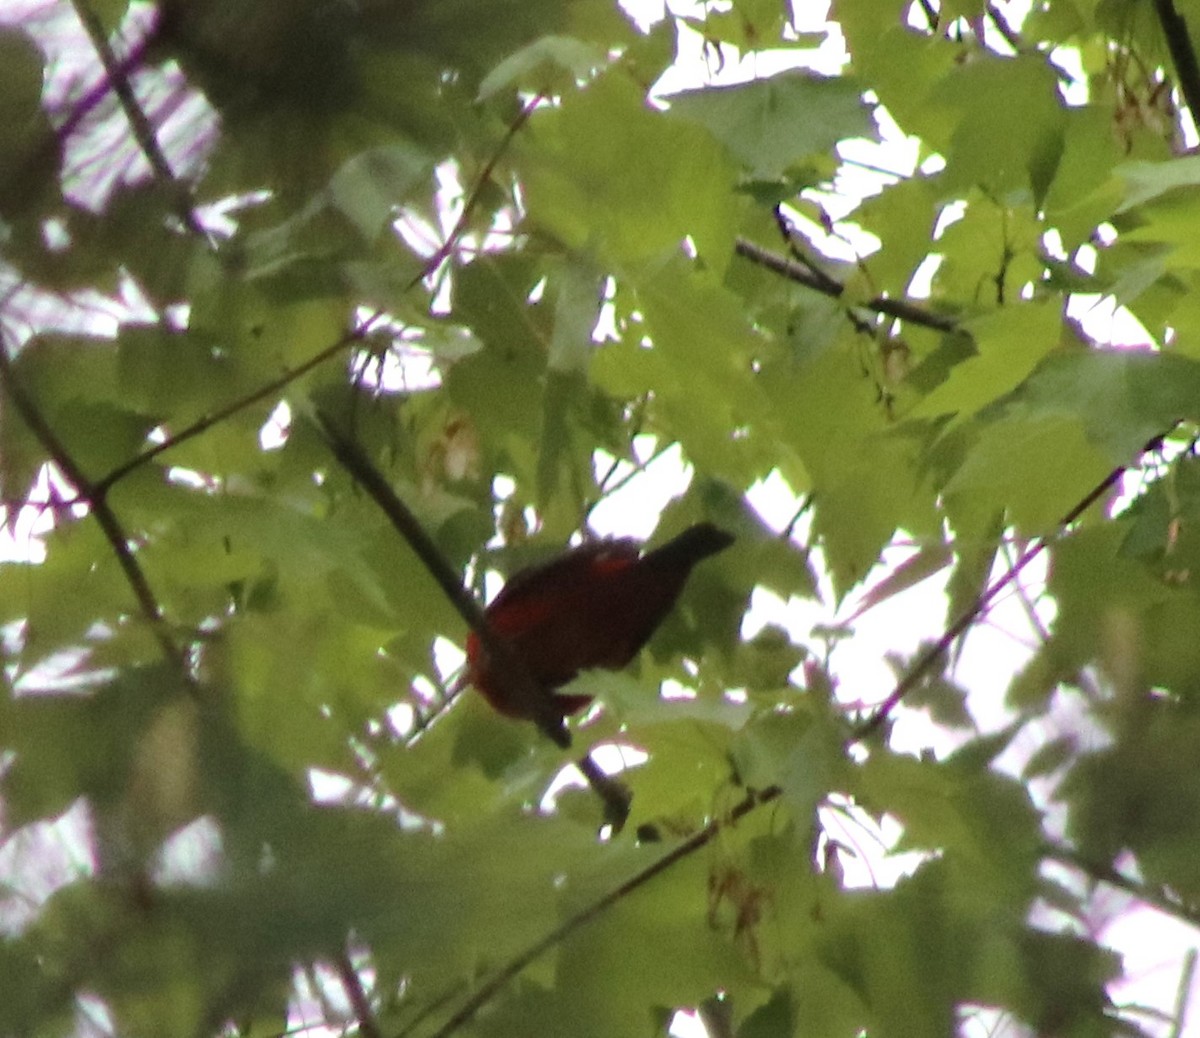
(593, 606)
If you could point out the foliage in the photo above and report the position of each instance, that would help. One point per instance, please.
(474, 237)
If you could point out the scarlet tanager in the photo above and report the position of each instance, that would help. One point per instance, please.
(594, 606)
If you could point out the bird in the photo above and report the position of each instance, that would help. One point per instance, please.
(593, 606)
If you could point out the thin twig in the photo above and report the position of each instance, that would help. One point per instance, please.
(357, 334)
(638, 468)
(1106, 873)
(86, 104)
(1183, 993)
(534, 701)
(98, 505)
(799, 273)
(938, 649)
(360, 1005)
(1026, 602)
(472, 199)
(689, 846)
(143, 131)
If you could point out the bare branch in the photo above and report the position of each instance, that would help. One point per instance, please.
(98, 505)
(801, 274)
(143, 132)
(360, 1005)
(938, 649)
(693, 843)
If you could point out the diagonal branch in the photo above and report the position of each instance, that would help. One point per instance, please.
(534, 700)
(1102, 872)
(486, 991)
(356, 334)
(802, 275)
(356, 995)
(143, 131)
(97, 503)
(756, 798)
(355, 461)
(268, 389)
(1183, 54)
(938, 649)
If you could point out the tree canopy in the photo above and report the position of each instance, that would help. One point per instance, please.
(320, 318)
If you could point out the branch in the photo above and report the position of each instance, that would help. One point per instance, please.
(801, 274)
(87, 103)
(360, 1005)
(249, 400)
(472, 199)
(827, 284)
(693, 843)
(938, 649)
(1106, 873)
(143, 132)
(533, 700)
(1183, 54)
(98, 505)
(355, 335)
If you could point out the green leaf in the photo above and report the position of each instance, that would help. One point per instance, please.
(798, 752)
(616, 956)
(771, 124)
(369, 188)
(1014, 146)
(1147, 181)
(1037, 468)
(607, 174)
(1009, 342)
(29, 150)
(542, 65)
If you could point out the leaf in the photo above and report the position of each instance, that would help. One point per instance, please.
(1013, 146)
(616, 956)
(1124, 397)
(771, 124)
(369, 188)
(541, 64)
(1037, 468)
(1010, 342)
(607, 174)
(918, 567)
(29, 150)
(798, 752)
(982, 822)
(1147, 181)
(576, 311)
